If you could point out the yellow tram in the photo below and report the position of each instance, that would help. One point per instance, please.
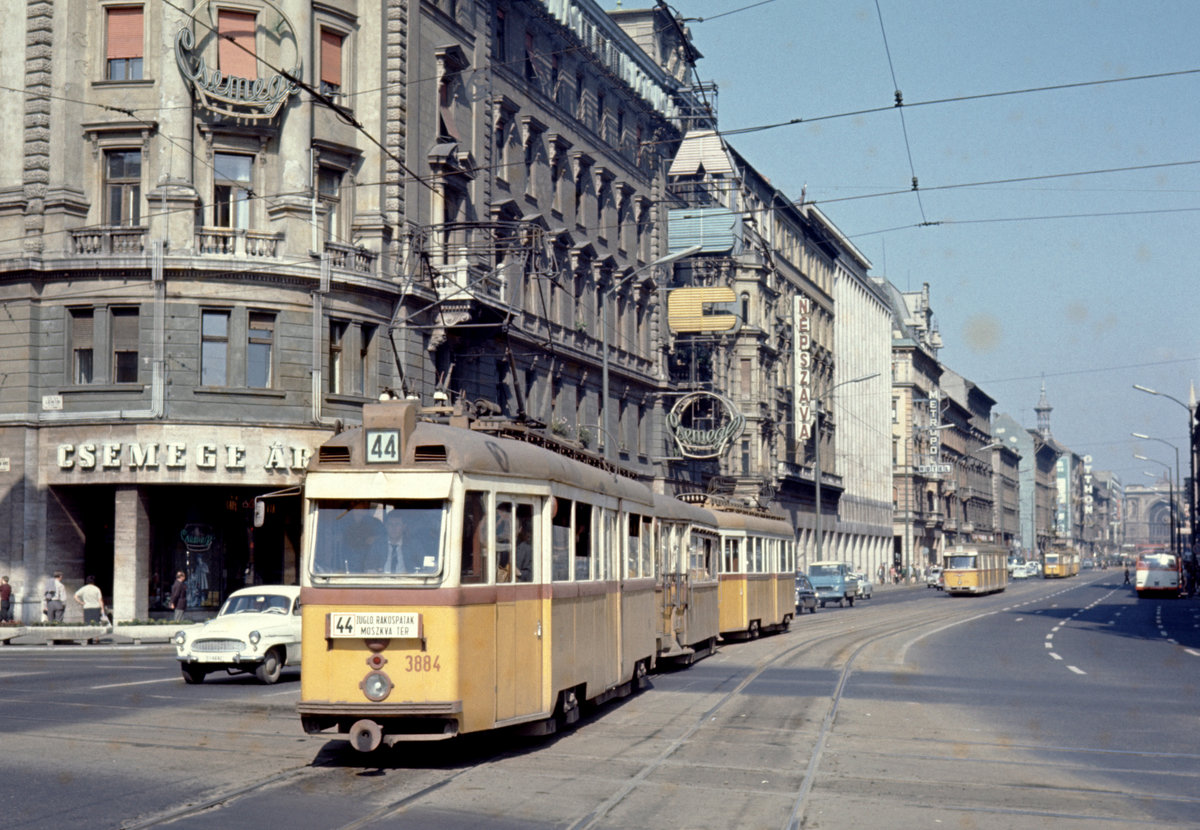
(758, 571)
(454, 580)
(974, 569)
(1060, 561)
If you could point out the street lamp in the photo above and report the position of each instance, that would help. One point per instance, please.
(1178, 487)
(662, 260)
(1193, 501)
(817, 448)
(1170, 492)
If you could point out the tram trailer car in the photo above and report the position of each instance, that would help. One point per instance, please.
(758, 571)
(455, 580)
(688, 580)
(974, 570)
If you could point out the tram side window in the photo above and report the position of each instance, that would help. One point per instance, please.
(633, 555)
(759, 544)
(647, 546)
(583, 541)
(474, 538)
(560, 528)
(504, 541)
(524, 543)
(732, 563)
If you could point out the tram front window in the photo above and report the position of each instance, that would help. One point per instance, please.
(395, 538)
(960, 563)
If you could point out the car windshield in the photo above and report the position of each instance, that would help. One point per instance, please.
(394, 538)
(823, 570)
(257, 603)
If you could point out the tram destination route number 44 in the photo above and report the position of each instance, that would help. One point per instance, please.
(383, 446)
(375, 625)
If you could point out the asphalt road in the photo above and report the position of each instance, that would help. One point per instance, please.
(1056, 703)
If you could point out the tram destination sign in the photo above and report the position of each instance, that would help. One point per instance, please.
(380, 624)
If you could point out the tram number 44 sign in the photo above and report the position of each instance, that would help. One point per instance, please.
(383, 446)
(381, 625)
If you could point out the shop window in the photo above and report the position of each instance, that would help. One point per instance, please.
(235, 46)
(331, 63)
(260, 343)
(231, 190)
(337, 338)
(214, 348)
(125, 345)
(124, 43)
(82, 326)
(123, 187)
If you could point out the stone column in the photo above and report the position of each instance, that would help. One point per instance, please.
(131, 555)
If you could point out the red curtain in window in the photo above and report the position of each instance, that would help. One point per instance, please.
(124, 32)
(236, 49)
(331, 58)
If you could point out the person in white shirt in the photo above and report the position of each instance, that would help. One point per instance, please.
(92, 600)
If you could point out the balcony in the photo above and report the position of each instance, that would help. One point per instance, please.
(351, 258)
(238, 242)
(109, 241)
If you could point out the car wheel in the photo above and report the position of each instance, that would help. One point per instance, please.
(822, 603)
(269, 669)
(851, 600)
(812, 610)
(193, 674)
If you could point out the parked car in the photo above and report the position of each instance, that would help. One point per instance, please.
(865, 586)
(933, 578)
(1021, 571)
(256, 631)
(806, 595)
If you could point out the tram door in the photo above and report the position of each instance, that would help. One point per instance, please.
(674, 582)
(519, 623)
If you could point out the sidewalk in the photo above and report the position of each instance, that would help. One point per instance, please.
(50, 635)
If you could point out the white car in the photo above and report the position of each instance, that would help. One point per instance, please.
(865, 586)
(256, 631)
(1023, 571)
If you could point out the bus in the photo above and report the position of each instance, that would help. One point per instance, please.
(1159, 574)
(974, 569)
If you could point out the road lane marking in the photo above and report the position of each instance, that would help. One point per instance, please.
(136, 683)
(1076, 670)
(1192, 652)
(1055, 656)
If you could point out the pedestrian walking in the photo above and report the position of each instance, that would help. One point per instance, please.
(1126, 574)
(6, 614)
(56, 596)
(179, 595)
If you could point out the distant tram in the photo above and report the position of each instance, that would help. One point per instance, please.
(1060, 561)
(1159, 574)
(975, 569)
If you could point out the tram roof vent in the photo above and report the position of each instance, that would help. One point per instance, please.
(429, 453)
(334, 454)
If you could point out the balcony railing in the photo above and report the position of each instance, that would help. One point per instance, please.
(109, 241)
(351, 258)
(237, 242)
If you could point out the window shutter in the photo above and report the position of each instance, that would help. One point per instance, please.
(331, 58)
(235, 51)
(81, 328)
(124, 329)
(124, 32)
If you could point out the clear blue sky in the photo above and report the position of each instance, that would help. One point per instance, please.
(1089, 281)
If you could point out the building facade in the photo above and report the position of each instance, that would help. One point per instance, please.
(230, 225)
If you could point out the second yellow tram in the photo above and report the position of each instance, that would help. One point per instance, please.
(974, 569)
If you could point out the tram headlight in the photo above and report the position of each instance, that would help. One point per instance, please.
(376, 686)
(254, 637)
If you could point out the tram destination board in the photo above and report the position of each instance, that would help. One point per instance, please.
(381, 624)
